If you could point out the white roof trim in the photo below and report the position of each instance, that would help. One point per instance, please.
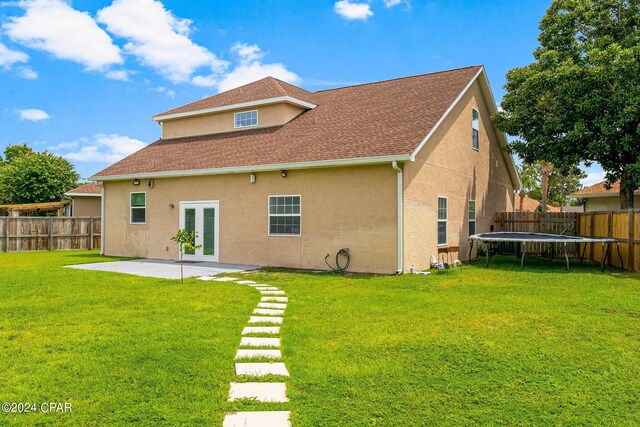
(493, 108)
(259, 168)
(249, 104)
(597, 195)
(83, 194)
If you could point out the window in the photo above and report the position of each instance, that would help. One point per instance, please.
(475, 129)
(472, 217)
(138, 208)
(442, 220)
(284, 215)
(246, 119)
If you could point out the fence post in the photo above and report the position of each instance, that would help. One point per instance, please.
(50, 244)
(6, 235)
(90, 242)
(610, 235)
(632, 258)
(592, 228)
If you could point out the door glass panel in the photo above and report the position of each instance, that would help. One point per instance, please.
(190, 226)
(209, 231)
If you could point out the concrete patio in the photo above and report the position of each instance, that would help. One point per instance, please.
(164, 269)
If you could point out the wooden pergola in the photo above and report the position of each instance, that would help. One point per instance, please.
(29, 208)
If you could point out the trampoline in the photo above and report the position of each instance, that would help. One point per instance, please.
(523, 238)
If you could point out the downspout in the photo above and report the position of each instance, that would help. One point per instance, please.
(398, 170)
(102, 221)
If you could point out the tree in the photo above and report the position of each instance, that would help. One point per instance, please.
(186, 242)
(32, 177)
(560, 185)
(580, 100)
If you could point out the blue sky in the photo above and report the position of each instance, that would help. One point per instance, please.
(82, 78)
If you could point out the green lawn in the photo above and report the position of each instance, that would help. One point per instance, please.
(495, 346)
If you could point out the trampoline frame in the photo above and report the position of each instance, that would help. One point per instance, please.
(494, 237)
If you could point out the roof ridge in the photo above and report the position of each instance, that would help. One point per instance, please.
(400, 78)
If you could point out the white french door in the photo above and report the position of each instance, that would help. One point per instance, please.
(204, 219)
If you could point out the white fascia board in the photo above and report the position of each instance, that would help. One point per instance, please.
(598, 195)
(493, 108)
(83, 194)
(260, 168)
(249, 104)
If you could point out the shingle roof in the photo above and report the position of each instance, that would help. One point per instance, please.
(87, 188)
(376, 119)
(532, 205)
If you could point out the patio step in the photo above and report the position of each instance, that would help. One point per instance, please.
(262, 392)
(254, 354)
(265, 319)
(261, 369)
(272, 305)
(261, 330)
(272, 292)
(276, 299)
(259, 342)
(257, 419)
(268, 312)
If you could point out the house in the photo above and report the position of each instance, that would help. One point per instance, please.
(86, 200)
(598, 198)
(271, 174)
(532, 205)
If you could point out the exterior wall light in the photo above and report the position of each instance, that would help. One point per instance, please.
(136, 182)
(171, 206)
(252, 178)
(283, 173)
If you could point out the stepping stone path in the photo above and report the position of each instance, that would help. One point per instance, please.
(255, 345)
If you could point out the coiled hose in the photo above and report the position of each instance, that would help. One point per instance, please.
(344, 252)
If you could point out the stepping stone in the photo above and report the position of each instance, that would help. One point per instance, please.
(267, 288)
(257, 419)
(254, 354)
(259, 342)
(206, 278)
(261, 369)
(262, 392)
(272, 305)
(272, 292)
(277, 299)
(265, 319)
(225, 279)
(268, 312)
(256, 285)
(245, 282)
(261, 330)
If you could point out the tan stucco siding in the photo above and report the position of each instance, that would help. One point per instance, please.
(87, 206)
(612, 203)
(449, 166)
(268, 115)
(352, 207)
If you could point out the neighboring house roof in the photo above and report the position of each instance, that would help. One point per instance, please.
(599, 190)
(89, 189)
(367, 123)
(532, 205)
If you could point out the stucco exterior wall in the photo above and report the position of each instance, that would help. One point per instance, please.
(352, 207)
(268, 115)
(606, 203)
(87, 206)
(449, 166)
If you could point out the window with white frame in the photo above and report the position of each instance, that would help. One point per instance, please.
(284, 215)
(442, 220)
(475, 129)
(245, 119)
(472, 217)
(138, 208)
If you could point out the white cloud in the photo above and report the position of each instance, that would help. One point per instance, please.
(55, 27)
(27, 73)
(122, 75)
(352, 11)
(10, 57)
(159, 39)
(101, 148)
(169, 92)
(33, 115)
(393, 3)
(251, 69)
(593, 177)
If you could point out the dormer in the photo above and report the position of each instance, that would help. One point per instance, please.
(264, 103)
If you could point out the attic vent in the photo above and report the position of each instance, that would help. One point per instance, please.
(245, 119)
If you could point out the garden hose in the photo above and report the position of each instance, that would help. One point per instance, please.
(344, 252)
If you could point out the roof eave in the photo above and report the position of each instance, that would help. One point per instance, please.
(249, 104)
(83, 194)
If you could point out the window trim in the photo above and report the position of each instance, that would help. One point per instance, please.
(473, 129)
(446, 222)
(131, 208)
(475, 216)
(247, 126)
(269, 214)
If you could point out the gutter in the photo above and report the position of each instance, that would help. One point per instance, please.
(102, 228)
(398, 170)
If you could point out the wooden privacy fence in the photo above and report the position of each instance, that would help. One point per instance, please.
(621, 225)
(23, 234)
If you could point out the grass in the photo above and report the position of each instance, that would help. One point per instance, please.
(495, 346)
